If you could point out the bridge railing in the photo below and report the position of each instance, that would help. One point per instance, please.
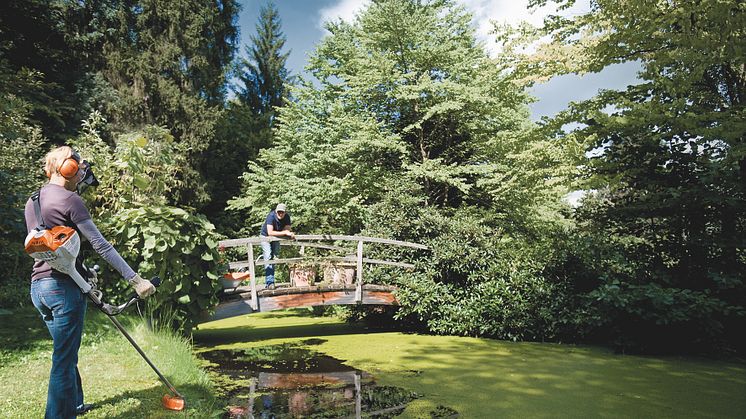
(310, 240)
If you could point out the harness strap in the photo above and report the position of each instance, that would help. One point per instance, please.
(37, 209)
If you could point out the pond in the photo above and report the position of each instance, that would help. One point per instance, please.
(291, 364)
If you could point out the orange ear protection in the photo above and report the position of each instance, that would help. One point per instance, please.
(69, 168)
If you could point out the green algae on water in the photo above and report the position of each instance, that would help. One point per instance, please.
(485, 378)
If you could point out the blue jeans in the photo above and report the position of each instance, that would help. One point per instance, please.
(62, 306)
(270, 249)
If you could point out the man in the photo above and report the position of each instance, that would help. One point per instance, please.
(56, 295)
(277, 224)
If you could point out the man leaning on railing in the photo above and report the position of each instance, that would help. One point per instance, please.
(277, 224)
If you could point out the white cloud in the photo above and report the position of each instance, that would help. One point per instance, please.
(343, 9)
(484, 11)
(512, 12)
(575, 197)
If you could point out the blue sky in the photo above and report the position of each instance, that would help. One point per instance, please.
(302, 23)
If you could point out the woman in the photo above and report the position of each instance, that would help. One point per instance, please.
(59, 300)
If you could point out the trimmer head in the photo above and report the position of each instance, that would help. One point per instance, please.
(173, 402)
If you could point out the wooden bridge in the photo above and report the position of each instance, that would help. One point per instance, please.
(237, 300)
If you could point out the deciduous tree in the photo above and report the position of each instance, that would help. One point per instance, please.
(413, 132)
(668, 165)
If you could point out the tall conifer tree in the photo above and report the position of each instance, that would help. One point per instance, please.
(264, 75)
(245, 127)
(168, 64)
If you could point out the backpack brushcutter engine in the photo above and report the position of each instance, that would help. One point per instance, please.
(59, 247)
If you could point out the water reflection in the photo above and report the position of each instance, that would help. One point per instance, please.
(285, 381)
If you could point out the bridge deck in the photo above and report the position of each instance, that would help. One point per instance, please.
(251, 299)
(238, 301)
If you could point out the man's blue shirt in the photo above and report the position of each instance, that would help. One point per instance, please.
(277, 224)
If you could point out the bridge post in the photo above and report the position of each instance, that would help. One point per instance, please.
(359, 287)
(252, 272)
(358, 397)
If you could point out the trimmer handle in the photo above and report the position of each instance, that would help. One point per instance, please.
(156, 281)
(111, 310)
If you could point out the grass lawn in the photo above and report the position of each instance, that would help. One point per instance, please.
(484, 378)
(115, 378)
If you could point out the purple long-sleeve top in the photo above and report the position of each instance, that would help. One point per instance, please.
(62, 207)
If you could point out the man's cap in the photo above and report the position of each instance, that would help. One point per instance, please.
(281, 207)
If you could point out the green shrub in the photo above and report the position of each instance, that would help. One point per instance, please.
(632, 299)
(179, 247)
(20, 174)
(482, 275)
(651, 318)
(143, 167)
(131, 207)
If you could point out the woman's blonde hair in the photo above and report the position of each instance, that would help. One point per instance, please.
(56, 157)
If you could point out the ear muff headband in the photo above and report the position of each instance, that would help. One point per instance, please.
(69, 168)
